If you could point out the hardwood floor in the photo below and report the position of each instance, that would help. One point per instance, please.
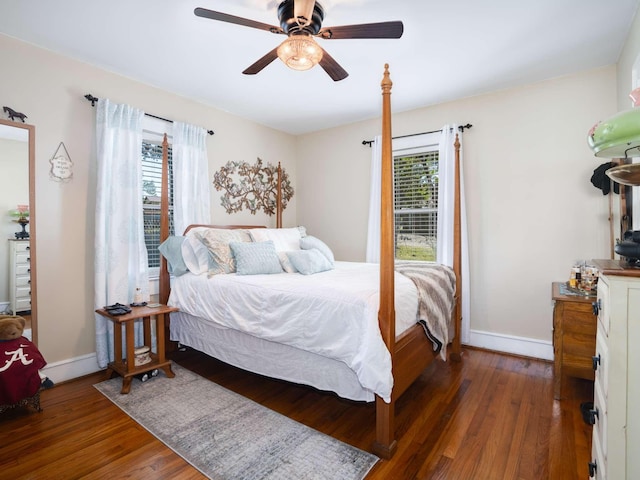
(492, 416)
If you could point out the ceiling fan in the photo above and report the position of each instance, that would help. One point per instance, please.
(300, 21)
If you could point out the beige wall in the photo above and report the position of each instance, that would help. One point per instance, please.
(50, 90)
(532, 211)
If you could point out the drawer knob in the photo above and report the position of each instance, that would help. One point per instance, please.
(593, 468)
(593, 416)
(596, 361)
(595, 306)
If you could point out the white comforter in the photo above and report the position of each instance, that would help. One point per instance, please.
(333, 313)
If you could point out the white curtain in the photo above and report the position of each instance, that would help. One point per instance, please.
(120, 254)
(191, 197)
(373, 232)
(446, 191)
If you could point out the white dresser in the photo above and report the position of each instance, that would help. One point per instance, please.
(19, 276)
(615, 448)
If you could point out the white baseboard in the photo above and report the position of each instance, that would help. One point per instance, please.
(71, 368)
(528, 347)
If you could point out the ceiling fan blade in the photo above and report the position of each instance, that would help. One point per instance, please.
(333, 69)
(245, 22)
(262, 63)
(366, 30)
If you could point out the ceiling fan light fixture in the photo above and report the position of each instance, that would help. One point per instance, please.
(300, 52)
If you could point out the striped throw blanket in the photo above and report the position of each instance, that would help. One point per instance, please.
(436, 286)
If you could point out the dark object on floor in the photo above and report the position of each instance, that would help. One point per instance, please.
(47, 383)
(143, 377)
(586, 408)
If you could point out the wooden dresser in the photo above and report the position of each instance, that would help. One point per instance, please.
(574, 336)
(616, 417)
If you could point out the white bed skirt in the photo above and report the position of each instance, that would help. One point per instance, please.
(267, 358)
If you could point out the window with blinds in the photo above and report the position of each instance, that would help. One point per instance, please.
(151, 190)
(415, 180)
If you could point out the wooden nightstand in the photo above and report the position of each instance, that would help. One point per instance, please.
(574, 336)
(125, 366)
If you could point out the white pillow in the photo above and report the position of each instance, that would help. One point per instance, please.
(284, 239)
(309, 242)
(195, 255)
(286, 264)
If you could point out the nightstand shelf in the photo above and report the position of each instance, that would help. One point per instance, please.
(125, 366)
(574, 337)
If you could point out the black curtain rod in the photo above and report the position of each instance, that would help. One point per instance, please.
(461, 128)
(93, 101)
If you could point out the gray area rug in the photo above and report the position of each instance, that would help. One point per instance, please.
(229, 437)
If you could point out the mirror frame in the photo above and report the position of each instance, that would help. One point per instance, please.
(32, 221)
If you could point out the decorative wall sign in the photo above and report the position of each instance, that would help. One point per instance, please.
(251, 187)
(61, 165)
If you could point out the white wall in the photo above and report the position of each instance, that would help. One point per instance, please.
(50, 89)
(532, 211)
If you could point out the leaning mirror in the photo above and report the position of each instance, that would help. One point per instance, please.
(17, 223)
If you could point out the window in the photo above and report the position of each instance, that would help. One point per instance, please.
(415, 181)
(151, 191)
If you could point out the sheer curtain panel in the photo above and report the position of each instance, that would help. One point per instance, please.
(120, 252)
(446, 186)
(191, 197)
(373, 232)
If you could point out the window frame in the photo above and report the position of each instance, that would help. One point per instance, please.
(153, 131)
(420, 144)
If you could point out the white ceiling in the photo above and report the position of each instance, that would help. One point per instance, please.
(449, 50)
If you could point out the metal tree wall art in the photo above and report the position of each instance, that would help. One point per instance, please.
(251, 187)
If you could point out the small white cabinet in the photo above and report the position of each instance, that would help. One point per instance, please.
(19, 276)
(616, 428)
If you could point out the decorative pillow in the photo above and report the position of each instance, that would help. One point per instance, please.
(217, 241)
(171, 249)
(286, 263)
(309, 242)
(309, 262)
(196, 255)
(283, 238)
(255, 258)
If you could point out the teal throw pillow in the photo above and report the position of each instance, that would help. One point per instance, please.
(255, 258)
(171, 249)
(309, 262)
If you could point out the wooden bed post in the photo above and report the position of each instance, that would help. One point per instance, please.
(279, 198)
(164, 222)
(385, 444)
(456, 347)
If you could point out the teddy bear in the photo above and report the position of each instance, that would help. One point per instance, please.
(20, 363)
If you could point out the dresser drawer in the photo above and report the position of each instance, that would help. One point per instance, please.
(603, 306)
(23, 281)
(23, 258)
(22, 305)
(577, 354)
(22, 247)
(602, 356)
(24, 269)
(579, 318)
(600, 425)
(599, 460)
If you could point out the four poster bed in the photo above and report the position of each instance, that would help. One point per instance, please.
(359, 372)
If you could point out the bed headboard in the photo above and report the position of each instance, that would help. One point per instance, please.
(227, 227)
